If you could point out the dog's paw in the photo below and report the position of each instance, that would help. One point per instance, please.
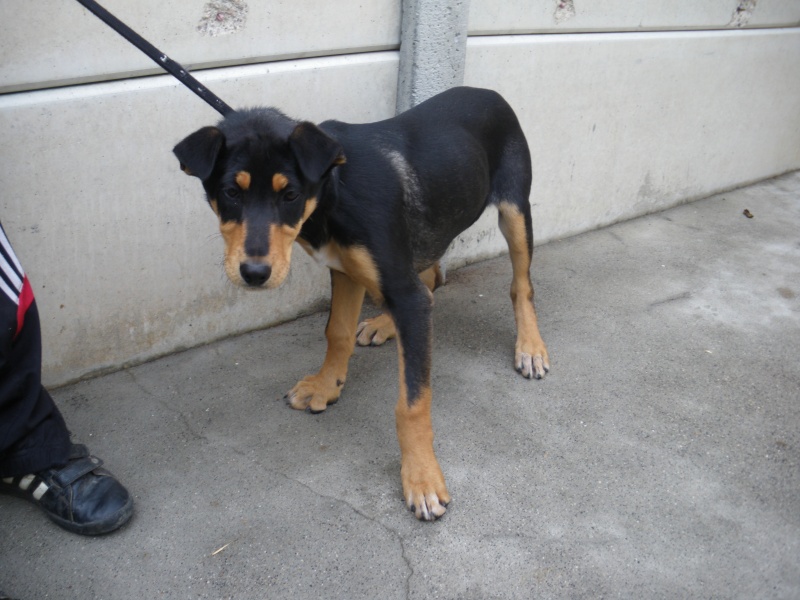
(425, 491)
(533, 364)
(314, 393)
(375, 331)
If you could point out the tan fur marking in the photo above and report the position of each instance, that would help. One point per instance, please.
(243, 180)
(279, 181)
(214, 207)
(233, 234)
(376, 331)
(432, 277)
(279, 258)
(358, 264)
(424, 487)
(531, 354)
(317, 391)
(311, 206)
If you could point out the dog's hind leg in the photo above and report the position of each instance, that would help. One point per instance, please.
(377, 330)
(424, 487)
(315, 392)
(530, 354)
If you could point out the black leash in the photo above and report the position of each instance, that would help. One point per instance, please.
(161, 59)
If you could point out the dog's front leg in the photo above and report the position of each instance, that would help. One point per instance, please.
(424, 488)
(315, 392)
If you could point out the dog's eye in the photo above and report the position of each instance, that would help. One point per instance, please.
(231, 193)
(290, 196)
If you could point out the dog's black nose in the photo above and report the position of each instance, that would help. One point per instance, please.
(255, 273)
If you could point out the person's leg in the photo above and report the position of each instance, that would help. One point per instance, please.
(37, 459)
(33, 435)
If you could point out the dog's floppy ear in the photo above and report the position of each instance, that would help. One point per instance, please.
(315, 151)
(198, 152)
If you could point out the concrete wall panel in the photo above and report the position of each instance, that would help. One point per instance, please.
(625, 124)
(71, 45)
(495, 17)
(122, 250)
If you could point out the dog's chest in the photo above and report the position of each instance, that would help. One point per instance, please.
(326, 255)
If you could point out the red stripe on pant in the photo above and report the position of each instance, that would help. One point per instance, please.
(25, 301)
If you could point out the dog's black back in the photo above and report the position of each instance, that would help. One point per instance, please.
(412, 183)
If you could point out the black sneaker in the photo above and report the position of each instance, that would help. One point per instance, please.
(81, 497)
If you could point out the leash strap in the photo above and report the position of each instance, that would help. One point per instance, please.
(161, 59)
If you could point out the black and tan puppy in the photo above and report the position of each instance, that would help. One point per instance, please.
(378, 204)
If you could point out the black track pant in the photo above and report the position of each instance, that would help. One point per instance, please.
(33, 435)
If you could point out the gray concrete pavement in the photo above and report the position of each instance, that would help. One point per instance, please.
(659, 459)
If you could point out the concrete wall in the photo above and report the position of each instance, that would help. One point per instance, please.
(488, 17)
(72, 46)
(623, 124)
(628, 108)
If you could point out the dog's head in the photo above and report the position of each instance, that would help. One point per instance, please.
(262, 173)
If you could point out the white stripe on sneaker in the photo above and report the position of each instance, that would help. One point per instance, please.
(26, 482)
(40, 491)
(8, 480)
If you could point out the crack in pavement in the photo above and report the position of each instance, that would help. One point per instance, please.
(186, 423)
(361, 513)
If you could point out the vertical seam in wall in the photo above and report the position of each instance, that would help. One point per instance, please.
(433, 39)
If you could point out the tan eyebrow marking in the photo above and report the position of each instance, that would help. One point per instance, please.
(243, 180)
(279, 181)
